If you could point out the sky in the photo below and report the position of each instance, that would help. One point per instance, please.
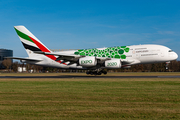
(81, 24)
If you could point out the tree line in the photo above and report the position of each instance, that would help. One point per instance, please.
(173, 66)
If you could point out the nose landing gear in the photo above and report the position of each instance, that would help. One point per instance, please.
(167, 65)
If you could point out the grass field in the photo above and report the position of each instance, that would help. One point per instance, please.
(109, 74)
(130, 98)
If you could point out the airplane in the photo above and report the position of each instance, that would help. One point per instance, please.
(93, 60)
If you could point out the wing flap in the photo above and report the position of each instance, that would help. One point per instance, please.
(57, 54)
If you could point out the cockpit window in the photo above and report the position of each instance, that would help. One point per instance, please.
(170, 51)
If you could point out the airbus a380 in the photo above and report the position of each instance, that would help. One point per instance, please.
(93, 60)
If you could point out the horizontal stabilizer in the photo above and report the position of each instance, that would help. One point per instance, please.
(28, 59)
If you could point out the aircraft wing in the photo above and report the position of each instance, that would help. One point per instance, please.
(66, 58)
(28, 59)
(124, 62)
(57, 54)
(71, 58)
(130, 62)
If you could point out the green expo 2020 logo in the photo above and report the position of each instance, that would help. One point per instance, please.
(111, 64)
(86, 61)
(110, 52)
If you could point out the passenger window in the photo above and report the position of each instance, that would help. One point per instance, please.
(170, 51)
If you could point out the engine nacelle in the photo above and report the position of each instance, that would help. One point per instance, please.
(88, 61)
(113, 64)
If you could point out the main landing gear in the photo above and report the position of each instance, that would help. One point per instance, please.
(96, 72)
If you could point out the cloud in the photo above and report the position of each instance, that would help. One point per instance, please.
(107, 26)
(162, 41)
(166, 32)
(130, 38)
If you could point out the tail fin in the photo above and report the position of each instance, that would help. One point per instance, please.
(29, 41)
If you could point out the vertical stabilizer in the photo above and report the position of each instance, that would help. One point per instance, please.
(29, 41)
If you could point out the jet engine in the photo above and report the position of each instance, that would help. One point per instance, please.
(88, 61)
(113, 63)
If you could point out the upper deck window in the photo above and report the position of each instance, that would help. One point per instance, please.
(170, 51)
(140, 48)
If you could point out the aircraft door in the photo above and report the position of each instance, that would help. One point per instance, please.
(161, 54)
(134, 54)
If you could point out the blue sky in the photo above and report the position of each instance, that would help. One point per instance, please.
(76, 24)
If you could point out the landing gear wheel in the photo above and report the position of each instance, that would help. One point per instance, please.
(96, 72)
(99, 73)
(105, 72)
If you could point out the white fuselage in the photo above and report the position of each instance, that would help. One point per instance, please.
(150, 54)
(138, 54)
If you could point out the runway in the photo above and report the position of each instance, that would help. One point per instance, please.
(85, 76)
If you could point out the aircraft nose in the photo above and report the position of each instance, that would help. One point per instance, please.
(175, 55)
